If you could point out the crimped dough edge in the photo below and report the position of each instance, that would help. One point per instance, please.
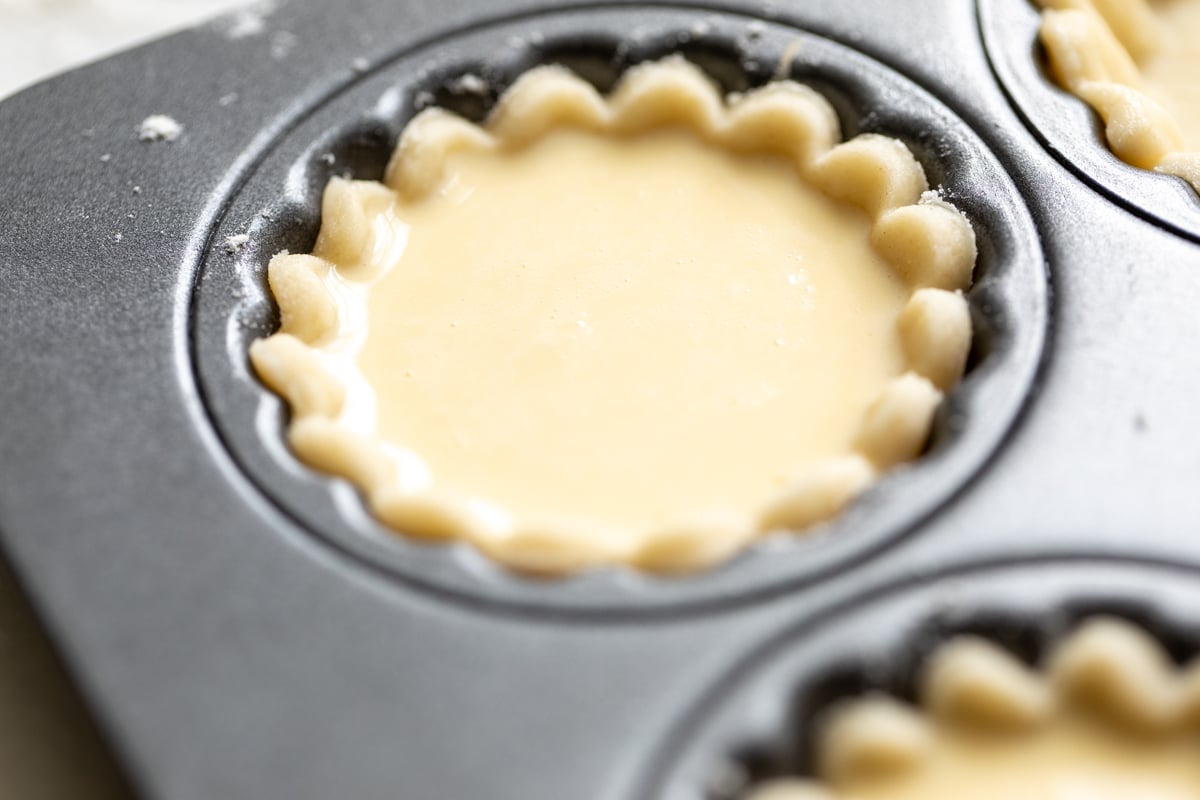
(1110, 667)
(308, 363)
(1093, 49)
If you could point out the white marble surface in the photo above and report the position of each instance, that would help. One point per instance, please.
(49, 748)
(41, 37)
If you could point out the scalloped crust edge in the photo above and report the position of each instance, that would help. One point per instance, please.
(1093, 47)
(926, 240)
(1107, 666)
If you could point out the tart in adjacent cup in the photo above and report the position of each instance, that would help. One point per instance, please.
(1135, 62)
(1109, 718)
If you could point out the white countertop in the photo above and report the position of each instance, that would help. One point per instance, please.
(41, 37)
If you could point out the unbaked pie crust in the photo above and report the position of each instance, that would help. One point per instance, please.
(1137, 64)
(650, 389)
(1111, 718)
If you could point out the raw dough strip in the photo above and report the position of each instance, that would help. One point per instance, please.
(927, 241)
(1093, 47)
(1107, 666)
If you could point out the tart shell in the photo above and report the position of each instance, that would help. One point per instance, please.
(925, 239)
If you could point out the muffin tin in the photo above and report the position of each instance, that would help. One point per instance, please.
(243, 629)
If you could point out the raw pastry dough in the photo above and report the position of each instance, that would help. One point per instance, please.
(642, 329)
(1136, 63)
(1109, 719)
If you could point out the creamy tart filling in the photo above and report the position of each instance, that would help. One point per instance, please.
(687, 349)
(1110, 719)
(1135, 62)
(641, 329)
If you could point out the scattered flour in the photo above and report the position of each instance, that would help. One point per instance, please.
(159, 128)
(250, 20)
(234, 244)
(282, 44)
(469, 83)
(245, 24)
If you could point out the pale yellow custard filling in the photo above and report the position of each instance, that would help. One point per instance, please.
(622, 329)
(1136, 63)
(1112, 720)
(643, 329)
(1070, 759)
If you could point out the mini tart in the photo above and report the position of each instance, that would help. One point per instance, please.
(1098, 51)
(311, 361)
(1109, 718)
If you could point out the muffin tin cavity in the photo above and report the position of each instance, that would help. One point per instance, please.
(765, 721)
(1069, 128)
(1112, 639)
(351, 134)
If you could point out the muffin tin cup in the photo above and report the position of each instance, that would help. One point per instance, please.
(352, 134)
(760, 721)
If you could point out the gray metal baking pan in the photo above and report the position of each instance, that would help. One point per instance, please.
(242, 630)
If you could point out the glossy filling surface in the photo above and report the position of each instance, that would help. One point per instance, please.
(620, 329)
